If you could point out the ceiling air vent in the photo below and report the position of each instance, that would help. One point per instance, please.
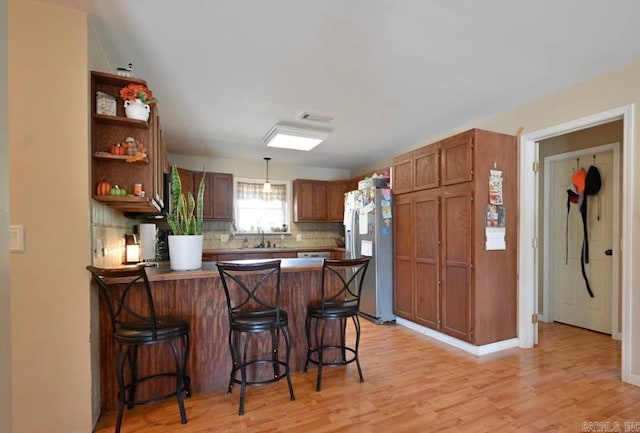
(313, 117)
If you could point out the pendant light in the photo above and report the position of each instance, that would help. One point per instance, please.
(267, 186)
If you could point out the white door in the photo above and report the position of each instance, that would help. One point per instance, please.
(572, 303)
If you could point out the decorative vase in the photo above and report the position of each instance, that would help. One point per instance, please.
(185, 252)
(136, 110)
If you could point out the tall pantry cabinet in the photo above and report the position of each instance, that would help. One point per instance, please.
(444, 277)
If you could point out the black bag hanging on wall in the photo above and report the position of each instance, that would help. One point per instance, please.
(592, 185)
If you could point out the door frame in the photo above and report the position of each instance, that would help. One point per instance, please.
(547, 304)
(528, 228)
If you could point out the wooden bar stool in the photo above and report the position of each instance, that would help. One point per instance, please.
(129, 301)
(253, 305)
(340, 300)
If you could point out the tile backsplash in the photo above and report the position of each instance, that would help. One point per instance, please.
(321, 235)
(109, 227)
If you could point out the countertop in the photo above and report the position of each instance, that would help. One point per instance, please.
(270, 250)
(163, 272)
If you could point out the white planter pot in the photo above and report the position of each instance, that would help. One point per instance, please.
(137, 110)
(185, 252)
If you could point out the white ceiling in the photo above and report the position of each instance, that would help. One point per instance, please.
(392, 73)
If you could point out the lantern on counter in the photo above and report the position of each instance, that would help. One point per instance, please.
(131, 249)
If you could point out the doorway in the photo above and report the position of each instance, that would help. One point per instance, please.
(565, 297)
(528, 263)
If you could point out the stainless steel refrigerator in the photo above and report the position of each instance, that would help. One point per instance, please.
(369, 232)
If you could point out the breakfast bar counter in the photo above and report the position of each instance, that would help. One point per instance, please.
(198, 296)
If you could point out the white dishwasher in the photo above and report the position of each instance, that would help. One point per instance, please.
(307, 254)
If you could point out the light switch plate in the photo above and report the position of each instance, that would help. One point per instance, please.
(16, 239)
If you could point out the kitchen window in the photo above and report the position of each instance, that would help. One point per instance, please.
(256, 210)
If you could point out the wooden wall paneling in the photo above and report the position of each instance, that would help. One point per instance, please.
(495, 290)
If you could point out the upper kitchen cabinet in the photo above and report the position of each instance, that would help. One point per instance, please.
(335, 199)
(319, 200)
(417, 170)
(218, 192)
(309, 200)
(141, 176)
(457, 158)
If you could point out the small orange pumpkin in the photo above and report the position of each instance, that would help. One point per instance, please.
(103, 188)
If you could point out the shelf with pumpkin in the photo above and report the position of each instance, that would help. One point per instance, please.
(139, 159)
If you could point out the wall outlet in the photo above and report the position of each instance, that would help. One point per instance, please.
(299, 238)
(224, 237)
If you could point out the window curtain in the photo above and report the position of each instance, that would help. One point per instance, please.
(253, 191)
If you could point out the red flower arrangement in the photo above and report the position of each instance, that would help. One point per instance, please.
(137, 91)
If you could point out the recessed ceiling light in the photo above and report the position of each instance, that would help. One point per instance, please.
(288, 136)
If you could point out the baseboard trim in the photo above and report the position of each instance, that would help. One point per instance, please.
(469, 348)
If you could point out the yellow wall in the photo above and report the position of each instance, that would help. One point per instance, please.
(49, 194)
(5, 286)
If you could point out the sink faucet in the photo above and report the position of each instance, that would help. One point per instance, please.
(261, 244)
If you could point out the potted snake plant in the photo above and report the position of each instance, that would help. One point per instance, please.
(185, 221)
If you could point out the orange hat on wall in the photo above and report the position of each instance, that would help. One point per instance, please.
(578, 179)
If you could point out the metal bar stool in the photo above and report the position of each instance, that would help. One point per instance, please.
(253, 305)
(127, 295)
(340, 300)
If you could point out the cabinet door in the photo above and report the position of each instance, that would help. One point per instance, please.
(303, 200)
(426, 217)
(403, 259)
(285, 255)
(229, 257)
(207, 205)
(186, 179)
(335, 200)
(402, 176)
(457, 159)
(426, 168)
(320, 201)
(222, 201)
(456, 264)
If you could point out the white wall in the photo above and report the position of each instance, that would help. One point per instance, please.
(49, 195)
(5, 285)
(256, 169)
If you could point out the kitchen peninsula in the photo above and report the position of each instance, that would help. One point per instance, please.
(198, 296)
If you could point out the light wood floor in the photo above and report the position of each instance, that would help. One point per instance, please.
(416, 384)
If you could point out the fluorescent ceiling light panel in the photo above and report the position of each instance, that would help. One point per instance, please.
(295, 137)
